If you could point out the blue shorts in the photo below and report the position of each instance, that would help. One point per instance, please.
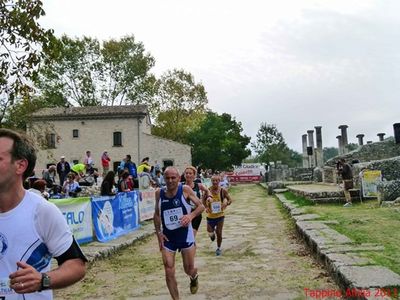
(173, 246)
(213, 222)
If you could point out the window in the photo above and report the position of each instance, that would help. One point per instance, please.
(168, 163)
(117, 138)
(75, 133)
(51, 140)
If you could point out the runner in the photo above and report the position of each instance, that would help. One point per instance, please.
(173, 212)
(215, 207)
(198, 188)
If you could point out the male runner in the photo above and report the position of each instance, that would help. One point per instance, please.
(215, 207)
(174, 213)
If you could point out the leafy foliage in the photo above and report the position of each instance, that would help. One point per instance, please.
(23, 43)
(329, 152)
(181, 105)
(86, 73)
(218, 143)
(270, 146)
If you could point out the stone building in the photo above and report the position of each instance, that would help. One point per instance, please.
(120, 130)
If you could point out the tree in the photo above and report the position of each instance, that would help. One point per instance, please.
(84, 72)
(270, 146)
(218, 142)
(182, 105)
(329, 152)
(23, 43)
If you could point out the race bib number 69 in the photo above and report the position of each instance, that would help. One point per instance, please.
(172, 218)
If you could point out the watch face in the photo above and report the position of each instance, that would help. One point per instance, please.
(45, 281)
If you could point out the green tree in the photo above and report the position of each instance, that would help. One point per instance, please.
(87, 73)
(329, 152)
(182, 105)
(23, 43)
(270, 146)
(218, 143)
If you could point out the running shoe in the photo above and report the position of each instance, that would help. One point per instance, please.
(194, 284)
(218, 252)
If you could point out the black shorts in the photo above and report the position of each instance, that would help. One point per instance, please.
(196, 222)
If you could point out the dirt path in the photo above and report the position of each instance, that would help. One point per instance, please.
(262, 259)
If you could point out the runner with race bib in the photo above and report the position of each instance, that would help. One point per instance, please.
(215, 207)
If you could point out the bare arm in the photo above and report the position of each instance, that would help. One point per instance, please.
(157, 221)
(65, 275)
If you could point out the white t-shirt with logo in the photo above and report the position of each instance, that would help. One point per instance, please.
(33, 232)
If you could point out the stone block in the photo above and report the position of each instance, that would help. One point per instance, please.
(367, 277)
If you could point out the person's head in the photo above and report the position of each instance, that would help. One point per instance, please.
(52, 168)
(145, 160)
(171, 177)
(62, 158)
(215, 180)
(16, 148)
(110, 177)
(125, 174)
(128, 157)
(71, 177)
(158, 173)
(190, 173)
(88, 153)
(39, 185)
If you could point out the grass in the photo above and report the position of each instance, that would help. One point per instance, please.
(365, 223)
(300, 201)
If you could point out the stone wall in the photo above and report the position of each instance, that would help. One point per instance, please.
(370, 152)
(283, 173)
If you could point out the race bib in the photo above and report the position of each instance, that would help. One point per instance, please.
(216, 207)
(172, 218)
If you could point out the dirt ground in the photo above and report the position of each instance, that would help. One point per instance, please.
(261, 259)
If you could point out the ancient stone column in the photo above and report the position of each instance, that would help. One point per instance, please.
(311, 144)
(340, 144)
(305, 156)
(360, 139)
(381, 135)
(345, 142)
(318, 151)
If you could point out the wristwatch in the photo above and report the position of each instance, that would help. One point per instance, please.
(45, 284)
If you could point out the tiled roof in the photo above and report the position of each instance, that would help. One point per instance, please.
(91, 112)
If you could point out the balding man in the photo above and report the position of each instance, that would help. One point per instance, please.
(174, 213)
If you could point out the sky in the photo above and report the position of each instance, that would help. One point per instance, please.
(292, 63)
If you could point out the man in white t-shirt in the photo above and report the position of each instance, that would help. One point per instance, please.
(32, 230)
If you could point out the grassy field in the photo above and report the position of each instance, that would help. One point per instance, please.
(364, 223)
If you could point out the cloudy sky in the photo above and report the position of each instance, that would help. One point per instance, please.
(293, 63)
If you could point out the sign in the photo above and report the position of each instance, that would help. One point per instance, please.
(146, 204)
(369, 182)
(78, 214)
(115, 215)
(244, 178)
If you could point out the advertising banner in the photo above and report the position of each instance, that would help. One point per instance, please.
(369, 182)
(115, 216)
(146, 204)
(244, 178)
(78, 213)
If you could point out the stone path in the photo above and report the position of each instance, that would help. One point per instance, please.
(262, 259)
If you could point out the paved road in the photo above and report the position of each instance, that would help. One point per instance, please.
(262, 259)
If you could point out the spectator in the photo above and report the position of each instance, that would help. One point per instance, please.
(49, 176)
(144, 166)
(105, 163)
(108, 184)
(39, 187)
(131, 167)
(79, 170)
(345, 171)
(63, 168)
(123, 182)
(71, 187)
